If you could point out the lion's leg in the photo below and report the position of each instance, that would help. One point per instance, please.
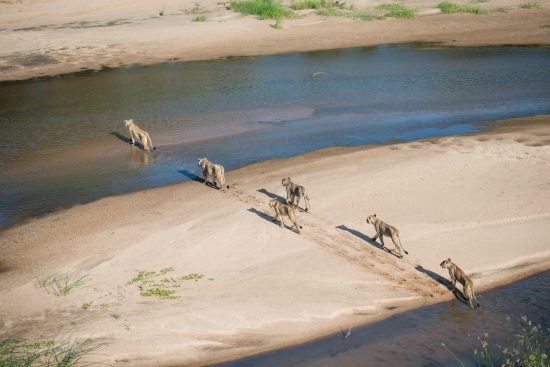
(281, 221)
(298, 197)
(292, 218)
(132, 137)
(145, 142)
(382, 239)
(468, 294)
(396, 244)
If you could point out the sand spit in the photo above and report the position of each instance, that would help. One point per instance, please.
(243, 285)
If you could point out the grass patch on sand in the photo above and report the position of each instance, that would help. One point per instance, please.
(87, 305)
(17, 352)
(531, 4)
(263, 9)
(61, 284)
(160, 284)
(395, 10)
(199, 18)
(448, 7)
(335, 12)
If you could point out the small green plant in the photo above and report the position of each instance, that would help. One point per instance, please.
(278, 23)
(61, 284)
(158, 292)
(104, 305)
(364, 16)
(306, 4)
(17, 352)
(198, 9)
(193, 276)
(87, 305)
(449, 7)
(142, 277)
(546, 26)
(529, 348)
(531, 4)
(328, 12)
(395, 10)
(200, 18)
(263, 9)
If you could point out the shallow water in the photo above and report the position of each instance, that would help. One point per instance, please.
(414, 338)
(62, 139)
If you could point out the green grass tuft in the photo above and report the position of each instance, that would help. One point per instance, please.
(61, 284)
(264, 9)
(278, 23)
(199, 18)
(193, 276)
(158, 292)
(363, 15)
(16, 352)
(306, 4)
(87, 305)
(141, 277)
(449, 7)
(395, 10)
(531, 4)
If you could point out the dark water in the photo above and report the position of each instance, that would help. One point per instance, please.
(414, 338)
(62, 142)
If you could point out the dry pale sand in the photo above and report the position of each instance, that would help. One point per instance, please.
(49, 37)
(481, 199)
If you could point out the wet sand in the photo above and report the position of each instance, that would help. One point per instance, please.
(480, 199)
(51, 37)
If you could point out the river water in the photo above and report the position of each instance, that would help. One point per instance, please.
(63, 142)
(414, 338)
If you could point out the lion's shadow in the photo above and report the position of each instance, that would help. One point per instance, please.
(272, 195)
(268, 218)
(125, 139)
(366, 238)
(193, 177)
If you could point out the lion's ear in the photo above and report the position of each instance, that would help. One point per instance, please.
(374, 215)
(131, 120)
(449, 259)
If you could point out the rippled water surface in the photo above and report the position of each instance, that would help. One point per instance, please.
(414, 338)
(62, 139)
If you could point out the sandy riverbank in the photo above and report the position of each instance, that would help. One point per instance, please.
(50, 37)
(481, 199)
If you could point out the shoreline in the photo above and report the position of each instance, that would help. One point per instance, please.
(177, 226)
(49, 40)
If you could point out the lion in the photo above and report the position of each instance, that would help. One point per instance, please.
(137, 132)
(209, 168)
(384, 229)
(282, 209)
(458, 274)
(294, 193)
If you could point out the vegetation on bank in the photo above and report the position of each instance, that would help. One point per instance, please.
(60, 284)
(200, 18)
(263, 9)
(529, 348)
(395, 10)
(450, 7)
(18, 352)
(531, 4)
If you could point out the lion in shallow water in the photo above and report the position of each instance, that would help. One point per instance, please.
(458, 275)
(142, 135)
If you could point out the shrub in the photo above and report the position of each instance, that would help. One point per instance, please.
(264, 9)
